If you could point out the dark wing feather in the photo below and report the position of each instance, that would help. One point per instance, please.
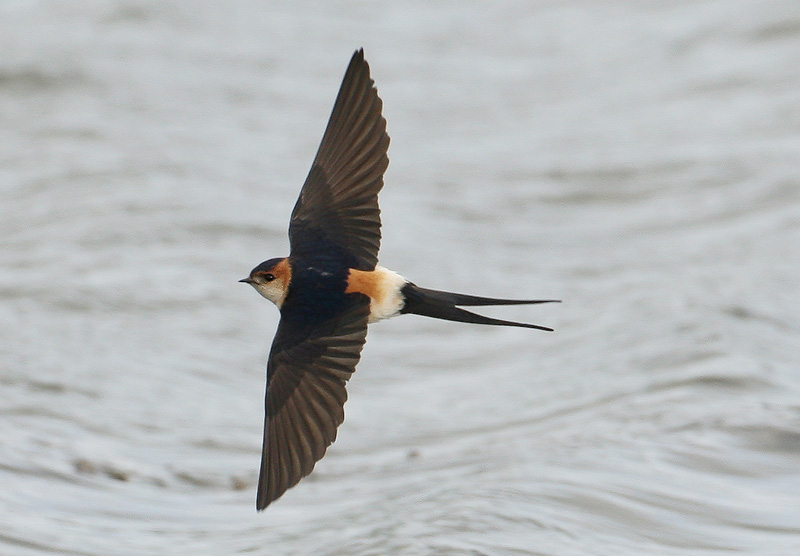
(337, 211)
(306, 375)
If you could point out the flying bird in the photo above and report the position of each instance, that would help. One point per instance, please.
(331, 287)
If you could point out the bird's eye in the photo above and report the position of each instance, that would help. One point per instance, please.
(269, 277)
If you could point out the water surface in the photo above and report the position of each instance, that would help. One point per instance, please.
(637, 161)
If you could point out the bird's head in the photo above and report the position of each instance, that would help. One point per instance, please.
(271, 279)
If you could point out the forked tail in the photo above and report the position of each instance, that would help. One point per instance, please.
(444, 305)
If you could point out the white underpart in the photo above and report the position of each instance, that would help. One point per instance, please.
(388, 299)
(275, 291)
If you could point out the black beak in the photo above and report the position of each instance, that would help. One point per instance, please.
(247, 280)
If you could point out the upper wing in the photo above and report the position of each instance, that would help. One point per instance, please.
(306, 375)
(337, 211)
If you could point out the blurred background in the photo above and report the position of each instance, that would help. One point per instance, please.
(638, 160)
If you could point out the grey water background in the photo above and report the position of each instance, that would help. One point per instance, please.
(638, 160)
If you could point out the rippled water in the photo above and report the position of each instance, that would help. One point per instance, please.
(638, 161)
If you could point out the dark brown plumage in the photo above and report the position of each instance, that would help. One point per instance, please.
(338, 205)
(329, 288)
(305, 396)
(335, 220)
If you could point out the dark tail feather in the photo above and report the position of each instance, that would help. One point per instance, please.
(475, 301)
(442, 305)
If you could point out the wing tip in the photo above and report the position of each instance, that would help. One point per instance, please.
(358, 59)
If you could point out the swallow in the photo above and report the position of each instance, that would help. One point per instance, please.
(331, 287)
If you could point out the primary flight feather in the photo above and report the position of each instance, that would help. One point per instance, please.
(330, 288)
